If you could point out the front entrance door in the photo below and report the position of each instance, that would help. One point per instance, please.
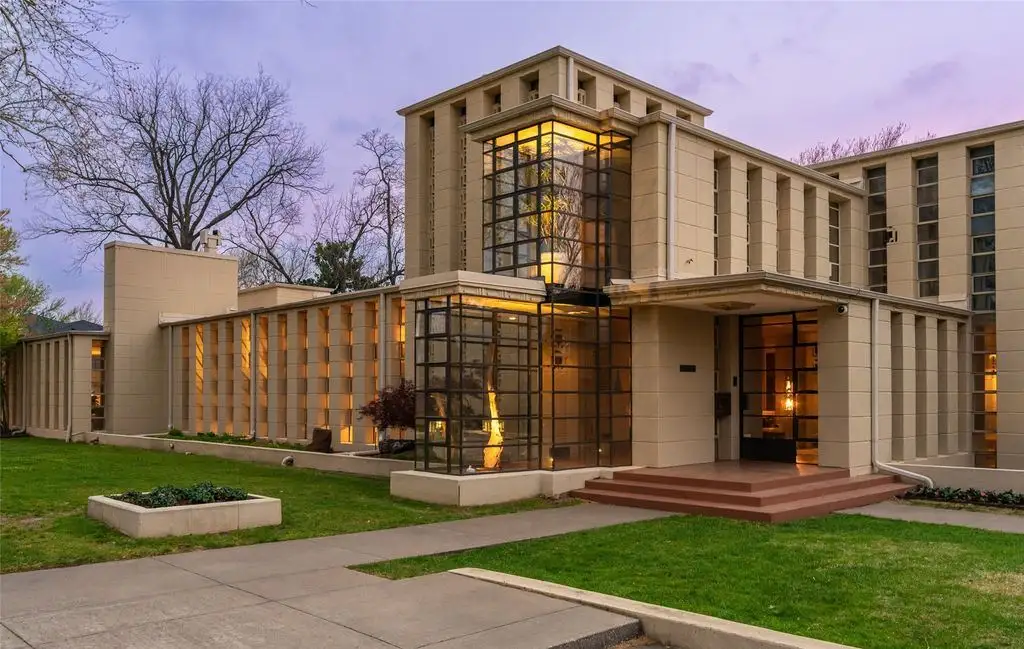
(779, 387)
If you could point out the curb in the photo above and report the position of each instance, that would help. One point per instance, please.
(667, 625)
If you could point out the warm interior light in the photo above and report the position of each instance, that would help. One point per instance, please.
(492, 454)
(789, 401)
(552, 267)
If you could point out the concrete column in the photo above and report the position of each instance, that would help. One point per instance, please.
(844, 388)
(948, 386)
(764, 251)
(1009, 157)
(446, 192)
(954, 233)
(885, 376)
(225, 384)
(242, 370)
(927, 387)
(415, 198)
(292, 386)
(340, 397)
(816, 262)
(277, 377)
(474, 196)
(364, 380)
(964, 383)
(901, 216)
(732, 218)
(316, 371)
(904, 386)
(694, 239)
(192, 403)
(648, 203)
(677, 421)
(853, 242)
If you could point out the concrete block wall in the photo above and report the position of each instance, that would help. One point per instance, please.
(305, 385)
(673, 420)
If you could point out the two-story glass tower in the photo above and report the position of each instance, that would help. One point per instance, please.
(600, 280)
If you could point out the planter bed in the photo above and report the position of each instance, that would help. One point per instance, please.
(1001, 499)
(169, 512)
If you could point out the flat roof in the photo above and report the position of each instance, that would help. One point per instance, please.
(987, 131)
(558, 50)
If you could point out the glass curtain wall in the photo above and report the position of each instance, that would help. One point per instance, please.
(556, 205)
(779, 387)
(504, 385)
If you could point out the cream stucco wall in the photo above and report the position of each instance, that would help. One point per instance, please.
(140, 284)
(278, 294)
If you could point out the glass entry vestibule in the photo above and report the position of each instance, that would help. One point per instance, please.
(779, 387)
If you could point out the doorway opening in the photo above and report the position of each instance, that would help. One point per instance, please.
(779, 387)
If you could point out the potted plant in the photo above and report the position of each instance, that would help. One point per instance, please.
(393, 408)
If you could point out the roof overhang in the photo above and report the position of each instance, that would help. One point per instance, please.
(462, 282)
(761, 292)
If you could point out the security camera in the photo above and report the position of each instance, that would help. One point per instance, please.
(842, 309)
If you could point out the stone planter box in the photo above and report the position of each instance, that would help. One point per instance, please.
(210, 518)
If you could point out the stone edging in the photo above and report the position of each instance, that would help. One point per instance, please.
(660, 623)
(183, 520)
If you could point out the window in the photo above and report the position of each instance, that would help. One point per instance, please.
(431, 196)
(509, 386)
(99, 383)
(716, 218)
(833, 241)
(983, 228)
(878, 234)
(557, 205)
(927, 171)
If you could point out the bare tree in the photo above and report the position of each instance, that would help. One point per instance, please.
(890, 136)
(271, 240)
(47, 51)
(165, 161)
(383, 209)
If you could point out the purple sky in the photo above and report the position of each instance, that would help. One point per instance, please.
(779, 76)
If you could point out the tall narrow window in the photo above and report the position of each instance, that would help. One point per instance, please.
(715, 216)
(833, 241)
(213, 370)
(983, 303)
(431, 155)
(748, 220)
(198, 410)
(983, 229)
(325, 366)
(242, 412)
(927, 227)
(878, 233)
(99, 374)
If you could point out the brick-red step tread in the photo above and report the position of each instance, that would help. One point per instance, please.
(751, 498)
(804, 508)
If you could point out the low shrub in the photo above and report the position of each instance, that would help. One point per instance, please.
(1010, 499)
(172, 496)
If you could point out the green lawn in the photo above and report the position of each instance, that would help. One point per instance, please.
(45, 484)
(871, 583)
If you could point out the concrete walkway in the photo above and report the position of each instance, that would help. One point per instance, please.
(299, 594)
(924, 514)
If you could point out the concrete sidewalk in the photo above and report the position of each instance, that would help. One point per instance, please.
(298, 594)
(942, 516)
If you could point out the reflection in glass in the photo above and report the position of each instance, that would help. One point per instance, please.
(509, 386)
(572, 207)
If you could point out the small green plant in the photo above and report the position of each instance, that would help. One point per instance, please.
(174, 432)
(1011, 499)
(171, 496)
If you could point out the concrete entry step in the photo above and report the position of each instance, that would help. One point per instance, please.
(750, 498)
(748, 491)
